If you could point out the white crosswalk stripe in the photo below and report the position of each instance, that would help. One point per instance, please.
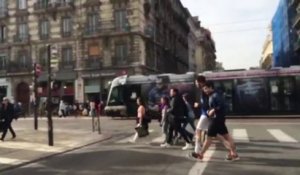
(30, 146)
(240, 135)
(199, 167)
(130, 138)
(11, 161)
(281, 136)
(159, 139)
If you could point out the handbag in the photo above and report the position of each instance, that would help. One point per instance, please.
(141, 131)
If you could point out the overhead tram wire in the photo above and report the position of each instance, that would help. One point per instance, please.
(238, 22)
(240, 31)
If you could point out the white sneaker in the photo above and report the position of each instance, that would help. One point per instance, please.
(187, 146)
(165, 145)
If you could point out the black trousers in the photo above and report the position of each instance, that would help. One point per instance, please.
(176, 126)
(7, 126)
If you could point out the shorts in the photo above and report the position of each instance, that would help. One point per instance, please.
(203, 123)
(217, 127)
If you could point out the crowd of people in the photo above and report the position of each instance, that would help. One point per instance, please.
(177, 112)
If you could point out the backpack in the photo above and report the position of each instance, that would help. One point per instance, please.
(147, 116)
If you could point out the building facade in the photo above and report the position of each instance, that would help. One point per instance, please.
(266, 61)
(285, 27)
(96, 40)
(202, 52)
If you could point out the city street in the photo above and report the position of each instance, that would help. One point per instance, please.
(266, 146)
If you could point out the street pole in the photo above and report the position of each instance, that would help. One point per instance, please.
(49, 103)
(35, 113)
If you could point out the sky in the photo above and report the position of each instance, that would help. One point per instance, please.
(239, 28)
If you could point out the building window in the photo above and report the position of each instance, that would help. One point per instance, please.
(67, 56)
(23, 31)
(44, 29)
(121, 53)
(22, 4)
(92, 23)
(43, 56)
(66, 26)
(23, 60)
(3, 60)
(3, 34)
(3, 5)
(121, 21)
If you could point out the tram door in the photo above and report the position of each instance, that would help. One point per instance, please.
(282, 94)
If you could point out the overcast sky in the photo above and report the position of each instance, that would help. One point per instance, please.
(239, 27)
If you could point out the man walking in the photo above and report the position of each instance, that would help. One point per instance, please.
(176, 118)
(216, 113)
(7, 113)
(203, 122)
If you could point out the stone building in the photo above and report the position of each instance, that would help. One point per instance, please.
(96, 40)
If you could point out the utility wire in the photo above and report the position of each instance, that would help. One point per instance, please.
(239, 31)
(239, 22)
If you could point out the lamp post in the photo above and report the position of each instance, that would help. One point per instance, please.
(49, 102)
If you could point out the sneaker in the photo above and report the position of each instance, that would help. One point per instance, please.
(165, 145)
(232, 158)
(187, 146)
(195, 156)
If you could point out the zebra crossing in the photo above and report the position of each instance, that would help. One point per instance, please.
(240, 135)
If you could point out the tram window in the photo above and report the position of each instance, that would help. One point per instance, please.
(116, 97)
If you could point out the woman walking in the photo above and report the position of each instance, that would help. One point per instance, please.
(142, 122)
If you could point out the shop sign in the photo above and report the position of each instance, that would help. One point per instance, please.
(97, 75)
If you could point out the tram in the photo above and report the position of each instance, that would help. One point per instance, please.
(246, 92)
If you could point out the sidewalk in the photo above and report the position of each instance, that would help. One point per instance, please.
(31, 145)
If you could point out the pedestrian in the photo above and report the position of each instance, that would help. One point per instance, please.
(142, 121)
(164, 123)
(190, 118)
(7, 113)
(217, 126)
(92, 107)
(62, 109)
(202, 125)
(176, 117)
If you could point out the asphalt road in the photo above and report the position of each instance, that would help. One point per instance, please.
(265, 147)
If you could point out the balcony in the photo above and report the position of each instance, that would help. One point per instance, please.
(40, 7)
(17, 67)
(91, 63)
(21, 39)
(44, 36)
(3, 13)
(67, 65)
(65, 6)
(90, 3)
(91, 31)
(66, 34)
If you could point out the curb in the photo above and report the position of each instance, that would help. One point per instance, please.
(53, 155)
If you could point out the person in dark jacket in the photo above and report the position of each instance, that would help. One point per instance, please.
(7, 113)
(176, 117)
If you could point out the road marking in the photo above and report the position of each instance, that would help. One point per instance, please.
(281, 136)
(11, 161)
(199, 167)
(240, 135)
(30, 146)
(159, 139)
(130, 138)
